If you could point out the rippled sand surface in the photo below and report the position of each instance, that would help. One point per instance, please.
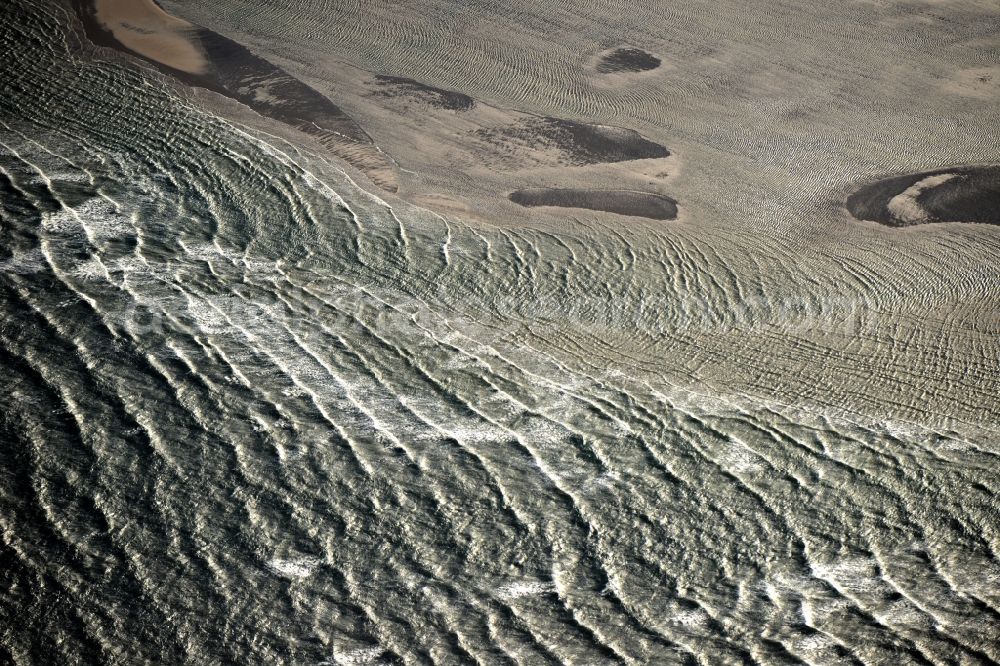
(276, 393)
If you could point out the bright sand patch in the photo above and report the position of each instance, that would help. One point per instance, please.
(141, 26)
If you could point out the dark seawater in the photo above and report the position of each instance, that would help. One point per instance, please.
(251, 414)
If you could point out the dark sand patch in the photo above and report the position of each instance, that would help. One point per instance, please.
(397, 86)
(960, 194)
(233, 71)
(622, 202)
(578, 143)
(272, 92)
(627, 59)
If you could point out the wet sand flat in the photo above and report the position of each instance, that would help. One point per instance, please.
(504, 141)
(204, 58)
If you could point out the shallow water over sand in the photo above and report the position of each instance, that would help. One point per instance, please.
(256, 409)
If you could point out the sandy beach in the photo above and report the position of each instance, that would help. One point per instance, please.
(143, 27)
